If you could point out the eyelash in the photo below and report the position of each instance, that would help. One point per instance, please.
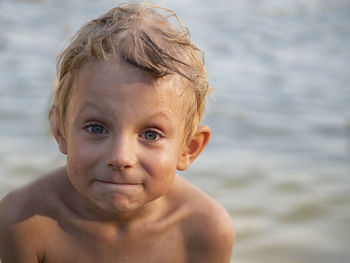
(157, 133)
(89, 126)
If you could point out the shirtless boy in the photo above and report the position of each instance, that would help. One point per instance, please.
(126, 112)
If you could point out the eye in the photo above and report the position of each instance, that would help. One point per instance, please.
(150, 135)
(96, 129)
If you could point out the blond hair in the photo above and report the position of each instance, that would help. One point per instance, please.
(136, 34)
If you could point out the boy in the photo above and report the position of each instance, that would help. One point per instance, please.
(126, 112)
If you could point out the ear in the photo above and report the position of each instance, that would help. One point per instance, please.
(194, 147)
(57, 131)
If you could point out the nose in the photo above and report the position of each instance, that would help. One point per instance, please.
(122, 153)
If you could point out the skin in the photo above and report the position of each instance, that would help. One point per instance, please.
(118, 199)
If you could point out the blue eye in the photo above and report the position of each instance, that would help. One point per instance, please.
(150, 135)
(96, 129)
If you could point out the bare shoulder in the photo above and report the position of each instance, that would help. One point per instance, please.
(31, 198)
(208, 228)
(22, 214)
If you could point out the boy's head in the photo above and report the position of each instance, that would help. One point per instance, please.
(137, 35)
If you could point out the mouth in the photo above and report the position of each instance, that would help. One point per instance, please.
(118, 183)
(124, 188)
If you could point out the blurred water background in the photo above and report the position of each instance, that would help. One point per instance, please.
(279, 158)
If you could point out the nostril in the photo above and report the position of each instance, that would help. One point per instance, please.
(120, 162)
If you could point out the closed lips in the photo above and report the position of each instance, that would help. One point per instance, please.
(119, 183)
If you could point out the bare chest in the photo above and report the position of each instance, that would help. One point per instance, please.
(85, 245)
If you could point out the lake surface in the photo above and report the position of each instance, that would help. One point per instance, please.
(279, 158)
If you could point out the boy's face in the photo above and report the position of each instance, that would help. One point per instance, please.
(124, 136)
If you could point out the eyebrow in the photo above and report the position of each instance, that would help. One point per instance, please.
(100, 108)
(91, 105)
(162, 114)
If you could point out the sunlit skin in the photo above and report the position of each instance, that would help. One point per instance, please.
(123, 136)
(118, 198)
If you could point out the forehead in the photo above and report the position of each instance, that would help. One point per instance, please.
(112, 79)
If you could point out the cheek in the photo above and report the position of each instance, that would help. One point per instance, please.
(82, 155)
(161, 164)
(81, 164)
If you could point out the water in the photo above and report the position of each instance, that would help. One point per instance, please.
(279, 158)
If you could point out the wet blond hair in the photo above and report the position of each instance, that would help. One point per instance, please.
(139, 34)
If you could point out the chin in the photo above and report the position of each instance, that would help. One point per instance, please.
(118, 206)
